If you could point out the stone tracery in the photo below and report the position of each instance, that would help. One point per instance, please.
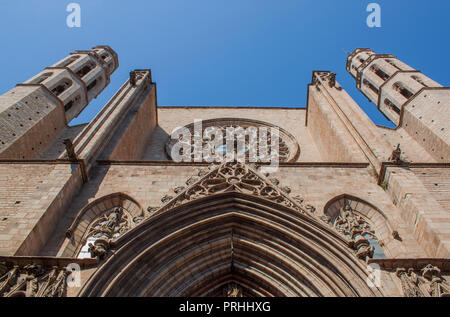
(355, 227)
(106, 228)
(288, 148)
(238, 177)
(245, 179)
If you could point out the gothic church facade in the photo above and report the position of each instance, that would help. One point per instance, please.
(103, 209)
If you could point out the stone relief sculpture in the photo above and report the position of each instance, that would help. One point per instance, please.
(32, 280)
(396, 156)
(410, 282)
(428, 283)
(300, 201)
(437, 286)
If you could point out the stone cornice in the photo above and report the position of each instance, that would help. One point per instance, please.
(415, 263)
(48, 261)
(385, 165)
(172, 163)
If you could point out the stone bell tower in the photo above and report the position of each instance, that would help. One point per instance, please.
(34, 112)
(405, 96)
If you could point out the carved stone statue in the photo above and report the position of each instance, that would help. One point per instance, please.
(233, 290)
(409, 282)
(178, 189)
(429, 283)
(112, 221)
(99, 248)
(364, 250)
(396, 155)
(108, 227)
(166, 199)
(133, 78)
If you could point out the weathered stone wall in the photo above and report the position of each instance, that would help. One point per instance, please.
(33, 197)
(423, 207)
(136, 130)
(412, 151)
(333, 140)
(30, 118)
(426, 118)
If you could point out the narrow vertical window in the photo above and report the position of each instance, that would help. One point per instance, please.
(399, 87)
(380, 73)
(390, 62)
(62, 86)
(388, 103)
(370, 86)
(92, 85)
(86, 69)
(41, 78)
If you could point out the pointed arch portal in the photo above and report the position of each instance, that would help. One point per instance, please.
(259, 247)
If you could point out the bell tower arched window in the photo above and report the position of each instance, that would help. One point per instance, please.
(380, 73)
(86, 69)
(390, 62)
(370, 86)
(402, 90)
(389, 103)
(348, 216)
(419, 80)
(62, 86)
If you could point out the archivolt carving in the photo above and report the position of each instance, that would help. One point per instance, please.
(227, 177)
(196, 249)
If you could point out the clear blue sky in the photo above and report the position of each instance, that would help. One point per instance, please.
(217, 52)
